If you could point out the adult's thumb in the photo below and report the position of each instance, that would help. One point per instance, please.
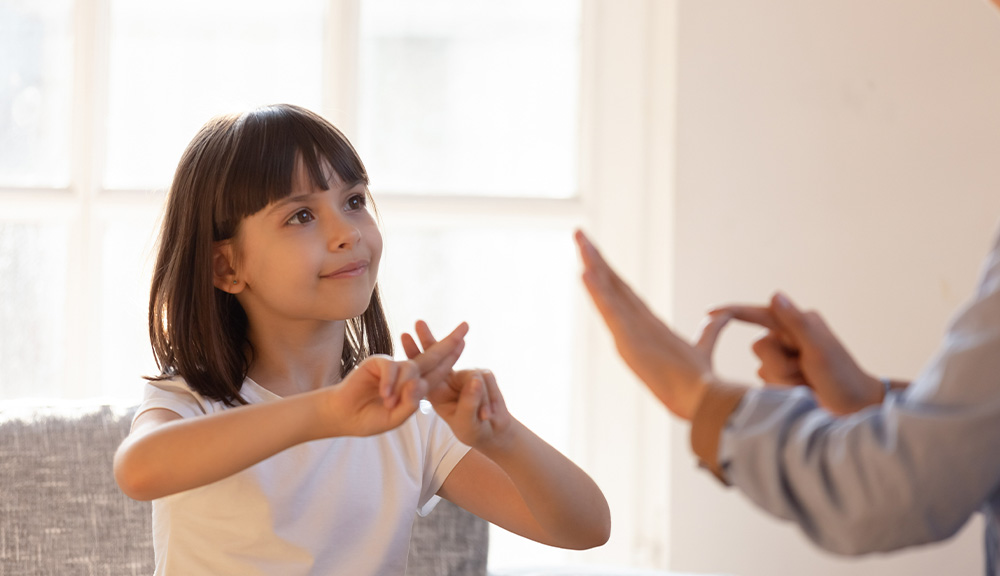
(791, 320)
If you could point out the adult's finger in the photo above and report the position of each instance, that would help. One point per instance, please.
(790, 319)
(615, 301)
(778, 364)
(592, 259)
(759, 315)
(708, 332)
(599, 274)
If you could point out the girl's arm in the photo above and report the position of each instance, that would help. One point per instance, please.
(522, 484)
(165, 454)
(511, 477)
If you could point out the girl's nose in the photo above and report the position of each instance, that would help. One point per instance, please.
(344, 235)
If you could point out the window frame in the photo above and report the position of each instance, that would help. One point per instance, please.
(626, 189)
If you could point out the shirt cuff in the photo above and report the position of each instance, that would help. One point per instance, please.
(710, 418)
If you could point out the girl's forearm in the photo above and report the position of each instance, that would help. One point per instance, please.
(563, 499)
(188, 453)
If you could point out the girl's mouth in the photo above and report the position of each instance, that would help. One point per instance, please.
(349, 270)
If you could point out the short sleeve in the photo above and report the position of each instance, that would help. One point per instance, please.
(442, 452)
(174, 395)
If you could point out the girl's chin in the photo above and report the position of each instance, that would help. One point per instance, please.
(349, 314)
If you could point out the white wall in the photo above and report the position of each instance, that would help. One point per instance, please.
(849, 153)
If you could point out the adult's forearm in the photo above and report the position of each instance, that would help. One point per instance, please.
(877, 481)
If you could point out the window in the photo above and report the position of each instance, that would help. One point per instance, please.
(487, 128)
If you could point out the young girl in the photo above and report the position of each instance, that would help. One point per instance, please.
(281, 437)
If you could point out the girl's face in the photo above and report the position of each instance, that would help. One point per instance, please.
(311, 256)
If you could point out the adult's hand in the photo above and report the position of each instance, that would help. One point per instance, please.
(799, 348)
(676, 371)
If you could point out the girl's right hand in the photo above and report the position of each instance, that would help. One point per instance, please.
(375, 397)
(380, 394)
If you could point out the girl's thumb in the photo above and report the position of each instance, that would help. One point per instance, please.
(472, 395)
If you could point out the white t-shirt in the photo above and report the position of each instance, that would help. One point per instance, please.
(338, 506)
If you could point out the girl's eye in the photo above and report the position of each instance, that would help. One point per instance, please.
(301, 217)
(356, 202)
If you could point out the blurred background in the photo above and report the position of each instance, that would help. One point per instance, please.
(717, 150)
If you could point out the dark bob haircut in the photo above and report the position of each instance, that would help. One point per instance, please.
(235, 166)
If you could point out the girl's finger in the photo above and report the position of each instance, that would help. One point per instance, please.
(387, 383)
(410, 346)
(443, 368)
(410, 394)
(408, 371)
(424, 333)
(485, 410)
(440, 352)
(472, 397)
(414, 387)
(495, 399)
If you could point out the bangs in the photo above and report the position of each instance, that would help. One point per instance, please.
(267, 142)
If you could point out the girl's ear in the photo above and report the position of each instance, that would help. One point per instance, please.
(223, 274)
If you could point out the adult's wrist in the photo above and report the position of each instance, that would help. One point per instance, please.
(717, 404)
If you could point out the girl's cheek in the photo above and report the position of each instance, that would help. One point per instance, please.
(375, 239)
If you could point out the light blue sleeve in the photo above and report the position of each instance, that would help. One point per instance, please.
(910, 471)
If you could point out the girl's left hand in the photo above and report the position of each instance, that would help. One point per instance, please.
(469, 401)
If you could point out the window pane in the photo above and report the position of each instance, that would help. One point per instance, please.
(127, 262)
(33, 284)
(470, 96)
(36, 70)
(176, 64)
(515, 288)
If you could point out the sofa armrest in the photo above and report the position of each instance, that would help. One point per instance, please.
(60, 509)
(448, 542)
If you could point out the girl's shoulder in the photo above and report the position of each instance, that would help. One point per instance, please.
(175, 394)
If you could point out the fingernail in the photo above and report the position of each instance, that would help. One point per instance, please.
(781, 300)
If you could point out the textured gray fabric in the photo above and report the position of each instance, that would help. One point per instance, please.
(61, 513)
(448, 542)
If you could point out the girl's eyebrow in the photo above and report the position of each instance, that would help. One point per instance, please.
(301, 197)
(288, 200)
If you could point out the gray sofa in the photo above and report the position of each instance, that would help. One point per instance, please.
(61, 513)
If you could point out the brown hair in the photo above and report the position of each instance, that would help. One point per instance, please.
(235, 166)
